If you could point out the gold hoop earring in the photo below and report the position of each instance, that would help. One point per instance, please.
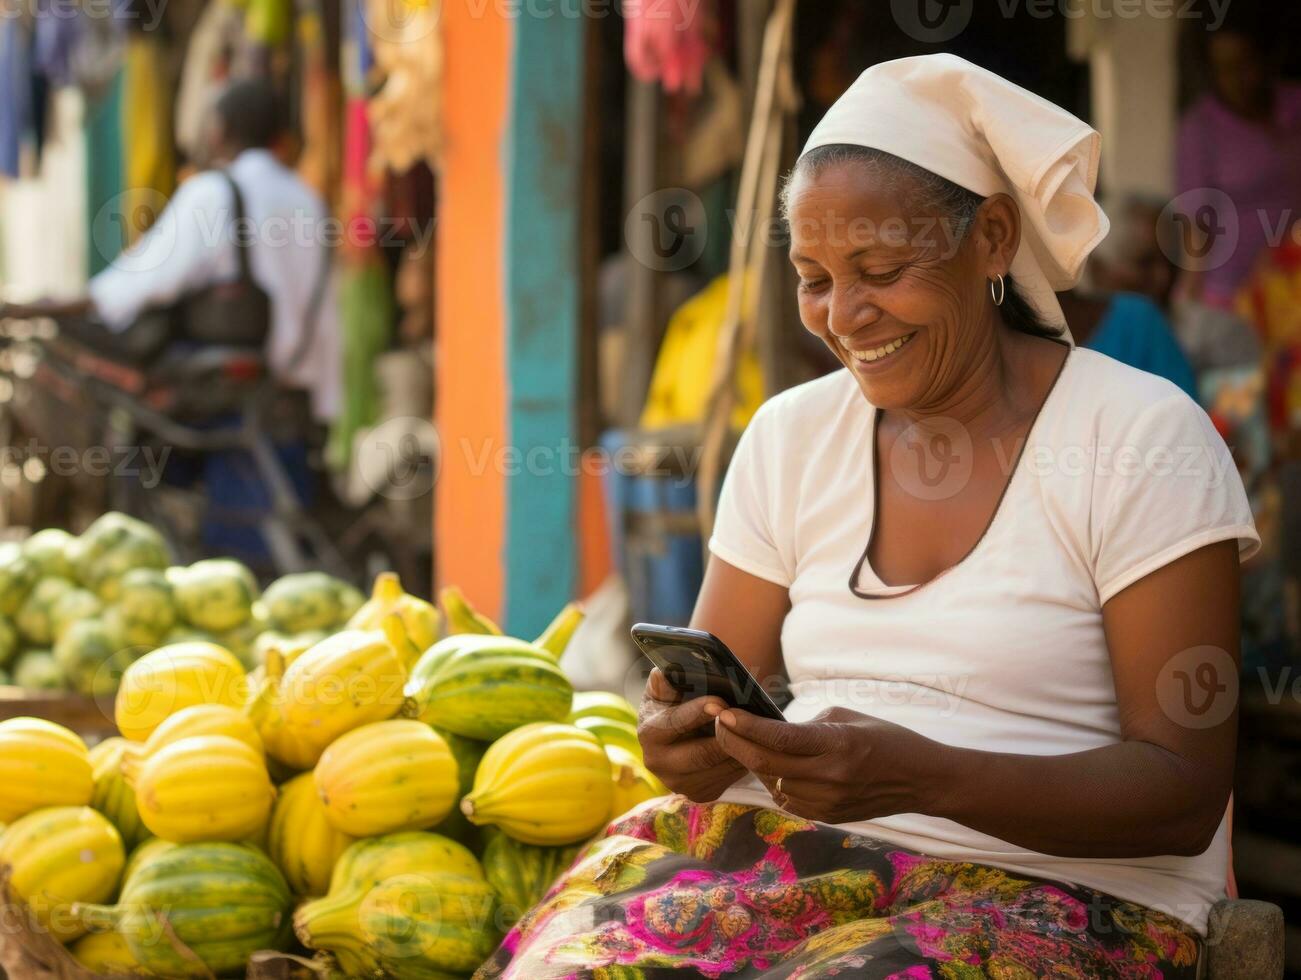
(1001, 294)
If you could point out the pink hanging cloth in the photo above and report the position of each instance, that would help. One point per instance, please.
(666, 41)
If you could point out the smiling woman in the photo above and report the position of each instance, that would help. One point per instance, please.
(1010, 745)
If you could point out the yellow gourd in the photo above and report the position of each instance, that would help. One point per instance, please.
(545, 783)
(205, 788)
(41, 764)
(173, 677)
(555, 638)
(420, 620)
(106, 954)
(197, 719)
(345, 681)
(631, 782)
(301, 841)
(463, 617)
(387, 777)
(58, 856)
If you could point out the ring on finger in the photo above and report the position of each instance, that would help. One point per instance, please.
(778, 795)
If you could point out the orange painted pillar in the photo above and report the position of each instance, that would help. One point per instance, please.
(470, 376)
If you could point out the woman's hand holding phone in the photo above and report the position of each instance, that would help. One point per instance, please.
(677, 738)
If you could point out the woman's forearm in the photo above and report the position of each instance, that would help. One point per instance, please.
(1131, 799)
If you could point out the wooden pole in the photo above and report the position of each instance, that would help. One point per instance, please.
(642, 319)
(753, 209)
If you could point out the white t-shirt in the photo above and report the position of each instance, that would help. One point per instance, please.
(192, 245)
(1121, 474)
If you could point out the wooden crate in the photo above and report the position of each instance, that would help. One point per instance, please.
(90, 718)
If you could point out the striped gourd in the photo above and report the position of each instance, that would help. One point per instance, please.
(143, 854)
(372, 859)
(301, 841)
(205, 788)
(602, 704)
(430, 870)
(611, 732)
(113, 796)
(223, 901)
(386, 777)
(41, 764)
(197, 719)
(555, 638)
(467, 752)
(173, 677)
(463, 618)
(545, 784)
(419, 925)
(58, 856)
(521, 874)
(345, 681)
(430, 924)
(303, 601)
(483, 686)
(632, 783)
(215, 594)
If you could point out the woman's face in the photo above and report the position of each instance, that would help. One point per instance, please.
(900, 297)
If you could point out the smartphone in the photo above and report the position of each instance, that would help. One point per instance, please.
(697, 663)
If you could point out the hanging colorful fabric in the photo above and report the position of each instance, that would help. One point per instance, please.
(104, 180)
(147, 127)
(15, 91)
(366, 315)
(269, 22)
(666, 42)
(679, 389)
(406, 113)
(320, 120)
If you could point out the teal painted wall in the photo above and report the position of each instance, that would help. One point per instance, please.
(543, 169)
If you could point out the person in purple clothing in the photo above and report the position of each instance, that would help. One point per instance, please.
(1242, 139)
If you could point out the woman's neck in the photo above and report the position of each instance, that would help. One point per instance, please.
(994, 392)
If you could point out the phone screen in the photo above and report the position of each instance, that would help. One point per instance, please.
(699, 664)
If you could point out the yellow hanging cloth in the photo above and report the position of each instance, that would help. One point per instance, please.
(679, 388)
(147, 134)
(269, 22)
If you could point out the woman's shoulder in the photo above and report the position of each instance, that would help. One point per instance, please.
(1109, 398)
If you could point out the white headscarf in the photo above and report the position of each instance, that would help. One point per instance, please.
(983, 133)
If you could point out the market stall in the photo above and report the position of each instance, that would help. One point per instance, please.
(367, 784)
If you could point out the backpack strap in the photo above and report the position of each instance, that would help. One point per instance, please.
(242, 244)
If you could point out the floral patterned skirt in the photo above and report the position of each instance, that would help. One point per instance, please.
(721, 889)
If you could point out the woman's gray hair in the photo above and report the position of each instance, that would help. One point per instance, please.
(922, 190)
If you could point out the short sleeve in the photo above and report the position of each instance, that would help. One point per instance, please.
(175, 256)
(744, 527)
(1165, 488)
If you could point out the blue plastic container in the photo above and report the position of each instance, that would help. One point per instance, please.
(662, 569)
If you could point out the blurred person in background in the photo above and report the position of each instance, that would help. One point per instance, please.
(193, 246)
(1133, 258)
(1123, 314)
(1138, 257)
(1242, 139)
